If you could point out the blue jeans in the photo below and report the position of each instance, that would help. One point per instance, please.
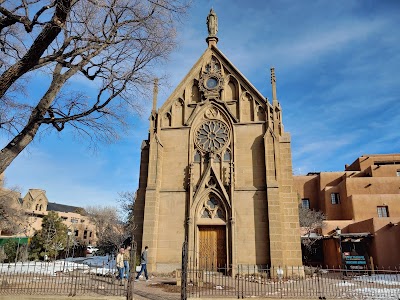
(143, 268)
(126, 267)
(121, 273)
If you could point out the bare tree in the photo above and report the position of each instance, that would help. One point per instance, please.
(110, 230)
(310, 222)
(112, 43)
(127, 203)
(13, 218)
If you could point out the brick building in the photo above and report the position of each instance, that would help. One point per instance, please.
(362, 209)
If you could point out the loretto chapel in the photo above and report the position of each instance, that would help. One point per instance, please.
(216, 170)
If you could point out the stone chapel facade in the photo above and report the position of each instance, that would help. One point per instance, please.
(216, 169)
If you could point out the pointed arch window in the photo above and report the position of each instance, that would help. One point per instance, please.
(197, 157)
(227, 156)
(220, 214)
(206, 214)
(212, 209)
(212, 203)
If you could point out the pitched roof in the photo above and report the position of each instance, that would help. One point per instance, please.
(64, 208)
(197, 67)
(36, 192)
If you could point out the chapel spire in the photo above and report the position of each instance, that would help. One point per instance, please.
(273, 83)
(155, 94)
(277, 111)
(212, 27)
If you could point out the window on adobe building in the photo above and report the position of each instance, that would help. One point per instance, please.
(335, 199)
(398, 173)
(90, 234)
(383, 211)
(74, 220)
(76, 232)
(85, 234)
(305, 203)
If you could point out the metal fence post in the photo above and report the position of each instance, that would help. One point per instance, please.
(184, 270)
(132, 270)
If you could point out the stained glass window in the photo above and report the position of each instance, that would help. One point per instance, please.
(206, 214)
(212, 136)
(197, 157)
(227, 156)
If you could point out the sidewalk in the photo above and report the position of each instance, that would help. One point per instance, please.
(50, 297)
(152, 290)
(143, 290)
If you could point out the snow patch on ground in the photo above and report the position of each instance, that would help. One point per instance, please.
(101, 265)
(385, 279)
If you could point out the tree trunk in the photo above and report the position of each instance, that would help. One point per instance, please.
(19, 143)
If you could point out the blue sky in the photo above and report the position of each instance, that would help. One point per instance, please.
(337, 66)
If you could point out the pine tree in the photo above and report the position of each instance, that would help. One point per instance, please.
(51, 239)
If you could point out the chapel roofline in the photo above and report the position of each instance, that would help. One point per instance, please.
(210, 51)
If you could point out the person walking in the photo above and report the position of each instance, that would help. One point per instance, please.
(127, 257)
(143, 262)
(120, 264)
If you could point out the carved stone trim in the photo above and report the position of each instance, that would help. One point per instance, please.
(211, 84)
(212, 136)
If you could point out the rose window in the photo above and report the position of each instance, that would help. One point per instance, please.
(212, 136)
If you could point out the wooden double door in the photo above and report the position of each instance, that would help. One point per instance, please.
(212, 247)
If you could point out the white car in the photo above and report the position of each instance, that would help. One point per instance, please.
(91, 250)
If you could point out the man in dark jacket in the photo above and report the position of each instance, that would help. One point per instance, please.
(143, 262)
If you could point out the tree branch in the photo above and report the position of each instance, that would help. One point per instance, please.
(39, 46)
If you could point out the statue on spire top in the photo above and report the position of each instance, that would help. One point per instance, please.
(212, 23)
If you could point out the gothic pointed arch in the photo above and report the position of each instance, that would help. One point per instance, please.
(232, 88)
(211, 209)
(200, 204)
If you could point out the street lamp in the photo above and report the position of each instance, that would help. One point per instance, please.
(69, 234)
(67, 252)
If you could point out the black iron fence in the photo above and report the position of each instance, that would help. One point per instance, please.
(60, 278)
(247, 281)
(244, 281)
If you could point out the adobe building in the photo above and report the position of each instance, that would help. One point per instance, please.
(362, 209)
(35, 206)
(216, 169)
